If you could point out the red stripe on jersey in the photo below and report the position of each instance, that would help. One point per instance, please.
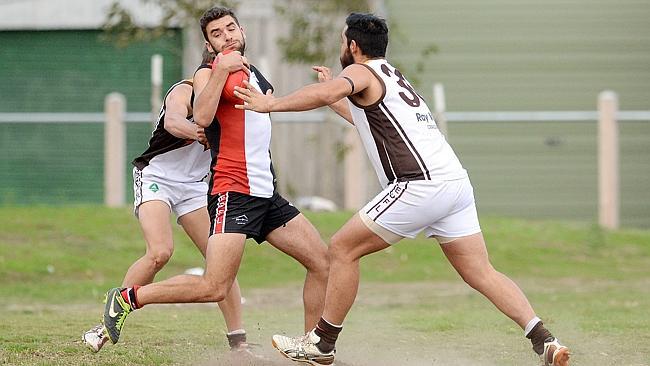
(230, 172)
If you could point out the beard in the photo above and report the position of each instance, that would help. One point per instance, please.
(241, 48)
(346, 58)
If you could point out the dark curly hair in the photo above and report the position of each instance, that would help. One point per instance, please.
(213, 13)
(369, 32)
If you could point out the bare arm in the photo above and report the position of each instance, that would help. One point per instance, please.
(308, 97)
(312, 96)
(176, 112)
(341, 107)
(208, 84)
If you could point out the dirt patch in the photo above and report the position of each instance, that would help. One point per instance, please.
(384, 329)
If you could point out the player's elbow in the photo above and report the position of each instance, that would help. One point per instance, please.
(203, 120)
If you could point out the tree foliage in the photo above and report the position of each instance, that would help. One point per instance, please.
(313, 24)
(121, 29)
(314, 27)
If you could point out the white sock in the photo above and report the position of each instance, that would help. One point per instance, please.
(531, 324)
(238, 331)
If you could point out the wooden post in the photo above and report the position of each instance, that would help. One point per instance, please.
(439, 108)
(608, 170)
(193, 45)
(156, 86)
(355, 176)
(114, 150)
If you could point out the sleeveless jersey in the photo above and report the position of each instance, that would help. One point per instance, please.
(400, 136)
(240, 142)
(173, 158)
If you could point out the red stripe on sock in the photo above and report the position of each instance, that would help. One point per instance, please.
(135, 304)
(125, 295)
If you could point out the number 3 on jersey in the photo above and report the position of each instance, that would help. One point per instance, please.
(414, 98)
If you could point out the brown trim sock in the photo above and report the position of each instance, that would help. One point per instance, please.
(538, 335)
(328, 334)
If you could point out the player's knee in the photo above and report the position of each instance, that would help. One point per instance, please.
(213, 291)
(320, 258)
(320, 264)
(218, 294)
(478, 278)
(338, 251)
(160, 257)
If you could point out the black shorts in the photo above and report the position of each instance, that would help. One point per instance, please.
(233, 212)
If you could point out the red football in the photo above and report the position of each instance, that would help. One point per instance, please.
(234, 79)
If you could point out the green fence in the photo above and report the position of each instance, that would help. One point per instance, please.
(73, 70)
(518, 55)
(550, 170)
(526, 169)
(59, 163)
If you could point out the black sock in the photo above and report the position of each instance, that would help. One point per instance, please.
(328, 334)
(538, 335)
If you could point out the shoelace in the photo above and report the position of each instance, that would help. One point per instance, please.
(302, 342)
(125, 311)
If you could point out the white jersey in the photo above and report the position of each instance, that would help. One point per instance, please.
(173, 158)
(400, 135)
(189, 163)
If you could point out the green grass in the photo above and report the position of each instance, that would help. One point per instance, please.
(589, 285)
(75, 252)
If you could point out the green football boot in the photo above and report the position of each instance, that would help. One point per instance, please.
(115, 313)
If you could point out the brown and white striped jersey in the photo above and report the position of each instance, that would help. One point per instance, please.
(400, 135)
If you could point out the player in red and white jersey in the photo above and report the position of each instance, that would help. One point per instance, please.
(241, 160)
(242, 202)
(168, 178)
(426, 189)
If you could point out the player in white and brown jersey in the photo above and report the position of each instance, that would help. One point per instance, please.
(426, 189)
(243, 202)
(168, 178)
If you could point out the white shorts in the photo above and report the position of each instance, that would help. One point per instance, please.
(442, 209)
(182, 198)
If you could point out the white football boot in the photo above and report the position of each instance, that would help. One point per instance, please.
(555, 354)
(95, 338)
(303, 349)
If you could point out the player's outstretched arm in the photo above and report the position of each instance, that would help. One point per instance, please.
(177, 109)
(354, 79)
(310, 97)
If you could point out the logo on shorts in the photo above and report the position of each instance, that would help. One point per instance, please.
(154, 188)
(381, 206)
(241, 220)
